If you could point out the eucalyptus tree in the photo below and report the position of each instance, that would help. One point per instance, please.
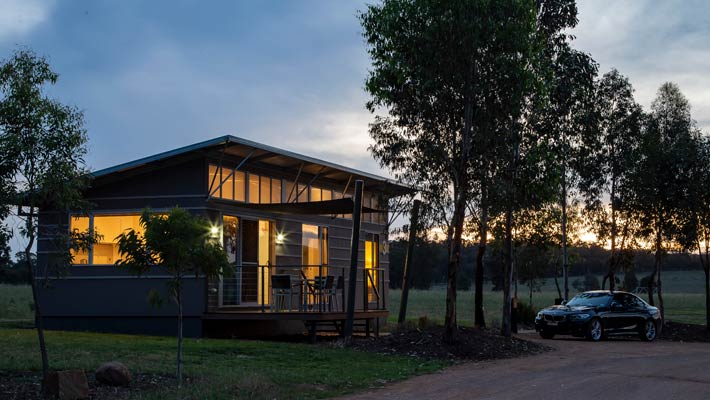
(662, 176)
(696, 212)
(606, 165)
(567, 118)
(180, 244)
(42, 148)
(431, 63)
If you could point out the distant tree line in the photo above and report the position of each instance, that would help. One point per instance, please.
(429, 268)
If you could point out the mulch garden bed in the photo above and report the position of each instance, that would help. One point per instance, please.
(678, 332)
(472, 344)
(28, 386)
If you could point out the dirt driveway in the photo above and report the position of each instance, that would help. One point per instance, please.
(614, 369)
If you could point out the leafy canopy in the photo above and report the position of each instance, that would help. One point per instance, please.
(176, 241)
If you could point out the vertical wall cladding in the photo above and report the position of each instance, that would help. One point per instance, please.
(288, 253)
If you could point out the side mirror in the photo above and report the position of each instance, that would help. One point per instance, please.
(564, 302)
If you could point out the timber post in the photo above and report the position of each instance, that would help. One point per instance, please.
(354, 251)
(413, 226)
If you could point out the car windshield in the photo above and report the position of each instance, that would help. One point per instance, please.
(589, 300)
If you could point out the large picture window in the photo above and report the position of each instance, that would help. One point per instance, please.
(105, 251)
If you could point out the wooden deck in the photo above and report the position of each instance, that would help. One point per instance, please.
(258, 315)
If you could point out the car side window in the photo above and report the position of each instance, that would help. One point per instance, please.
(625, 300)
(638, 303)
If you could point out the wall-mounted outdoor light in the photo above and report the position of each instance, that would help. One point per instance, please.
(214, 232)
(280, 238)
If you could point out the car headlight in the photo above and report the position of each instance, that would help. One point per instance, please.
(539, 315)
(578, 317)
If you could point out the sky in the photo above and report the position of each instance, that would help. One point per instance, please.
(151, 76)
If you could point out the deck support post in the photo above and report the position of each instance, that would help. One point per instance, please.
(413, 222)
(354, 250)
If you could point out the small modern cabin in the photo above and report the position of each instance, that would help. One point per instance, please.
(285, 221)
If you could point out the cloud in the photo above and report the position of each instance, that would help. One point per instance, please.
(651, 43)
(19, 17)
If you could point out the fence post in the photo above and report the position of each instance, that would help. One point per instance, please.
(413, 222)
(354, 250)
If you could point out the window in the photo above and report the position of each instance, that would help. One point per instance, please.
(79, 225)
(230, 184)
(372, 260)
(276, 191)
(105, 251)
(314, 250)
(265, 197)
(253, 189)
(240, 186)
(214, 179)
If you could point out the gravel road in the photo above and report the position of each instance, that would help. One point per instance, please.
(612, 369)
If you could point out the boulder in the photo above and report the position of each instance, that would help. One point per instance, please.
(68, 385)
(113, 373)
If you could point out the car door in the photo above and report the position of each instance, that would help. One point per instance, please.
(614, 318)
(628, 317)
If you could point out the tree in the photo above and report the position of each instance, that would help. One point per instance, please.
(432, 64)
(179, 243)
(42, 148)
(606, 166)
(661, 177)
(696, 212)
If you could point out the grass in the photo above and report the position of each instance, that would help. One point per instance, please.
(683, 295)
(15, 304)
(221, 369)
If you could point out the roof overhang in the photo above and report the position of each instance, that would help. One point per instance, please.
(257, 152)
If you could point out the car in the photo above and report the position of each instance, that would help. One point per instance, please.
(598, 314)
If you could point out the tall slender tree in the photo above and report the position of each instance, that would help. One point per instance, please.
(606, 164)
(42, 144)
(662, 176)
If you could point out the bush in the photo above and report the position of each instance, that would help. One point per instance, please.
(526, 314)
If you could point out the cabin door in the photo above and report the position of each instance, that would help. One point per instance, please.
(248, 246)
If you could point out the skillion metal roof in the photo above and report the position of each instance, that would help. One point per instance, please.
(243, 148)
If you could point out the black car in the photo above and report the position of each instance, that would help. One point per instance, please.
(597, 314)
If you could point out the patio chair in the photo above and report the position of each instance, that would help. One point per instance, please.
(281, 292)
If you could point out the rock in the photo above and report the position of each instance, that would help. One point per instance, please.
(68, 385)
(113, 373)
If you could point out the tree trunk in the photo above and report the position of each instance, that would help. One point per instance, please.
(508, 272)
(460, 195)
(35, 297)
(557, 285)
(612, 257)
(478, 317)
(707, 298)
(406, 279)
(179, 349)
(657, 272)
(565, 278)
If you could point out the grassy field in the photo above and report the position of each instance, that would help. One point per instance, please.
(15, 302)
(222, 369)
(683, 294)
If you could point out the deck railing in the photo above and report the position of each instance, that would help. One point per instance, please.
(309, 288)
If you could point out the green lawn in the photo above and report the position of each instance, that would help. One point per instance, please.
(683, 295)
(223, 369)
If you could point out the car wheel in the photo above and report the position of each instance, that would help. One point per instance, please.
(648, 331)
(546, 334)
(595, 331)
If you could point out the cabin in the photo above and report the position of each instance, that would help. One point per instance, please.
(284, 219)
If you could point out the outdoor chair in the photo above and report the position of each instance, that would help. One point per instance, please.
(321, 289)
(281, 292)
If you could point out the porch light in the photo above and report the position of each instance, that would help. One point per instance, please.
(214, 231)
(280, 238)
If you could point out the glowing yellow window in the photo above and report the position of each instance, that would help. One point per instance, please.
(371, 265)
(79, 224)
(109, 227)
